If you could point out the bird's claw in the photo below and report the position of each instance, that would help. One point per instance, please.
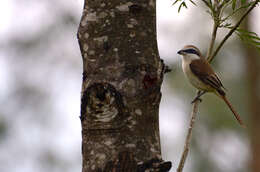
(196, 98)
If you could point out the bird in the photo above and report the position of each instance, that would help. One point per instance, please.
(202, 76)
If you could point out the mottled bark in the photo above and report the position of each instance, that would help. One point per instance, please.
(253, 75)
(121, 86)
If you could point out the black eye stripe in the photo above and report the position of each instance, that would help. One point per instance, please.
(191, 51)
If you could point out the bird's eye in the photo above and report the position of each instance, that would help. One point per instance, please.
(191, 51)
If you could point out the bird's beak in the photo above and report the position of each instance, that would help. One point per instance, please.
(180, 52)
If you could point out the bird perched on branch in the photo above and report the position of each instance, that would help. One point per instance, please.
(201, 76)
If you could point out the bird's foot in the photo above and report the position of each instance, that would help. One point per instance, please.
(200, 93)
(196, 98)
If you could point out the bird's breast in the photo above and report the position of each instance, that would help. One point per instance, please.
(194, 80)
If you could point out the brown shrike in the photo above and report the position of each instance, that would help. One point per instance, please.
(201, 75)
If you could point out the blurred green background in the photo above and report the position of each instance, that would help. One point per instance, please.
(40, 84)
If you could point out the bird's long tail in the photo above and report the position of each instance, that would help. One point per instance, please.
(233, 110)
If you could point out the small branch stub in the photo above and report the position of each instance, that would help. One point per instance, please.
(126, 163)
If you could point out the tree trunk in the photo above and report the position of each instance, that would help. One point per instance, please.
(122, 77)
(253, 76)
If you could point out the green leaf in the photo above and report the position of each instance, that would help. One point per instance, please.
(252, 37)
(226, 25)
(193, 2)
(245, 6)
(249, 37)
(210, 3)
(175, 2)
(179, 9)
(243, 31)
(234, 2)
(243, 2)
(256, 43)
(183, 4)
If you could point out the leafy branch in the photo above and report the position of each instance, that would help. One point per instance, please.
(217, 10)
(249, 37)
(182, 4)
(235, 10)
(234, 28)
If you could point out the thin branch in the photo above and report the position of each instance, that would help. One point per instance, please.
(213, 38)
(207, 4)
(188, 137)
(215, 27)
(232, 30)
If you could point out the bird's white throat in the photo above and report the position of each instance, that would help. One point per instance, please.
(190, 57)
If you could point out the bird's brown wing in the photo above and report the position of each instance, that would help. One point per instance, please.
(202, 69)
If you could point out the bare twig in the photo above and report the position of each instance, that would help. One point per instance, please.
(188, 137)
(232, 30)
(213, 38)
(207, 3)
(215, 29)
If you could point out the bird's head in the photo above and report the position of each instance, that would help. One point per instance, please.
(190, 52)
